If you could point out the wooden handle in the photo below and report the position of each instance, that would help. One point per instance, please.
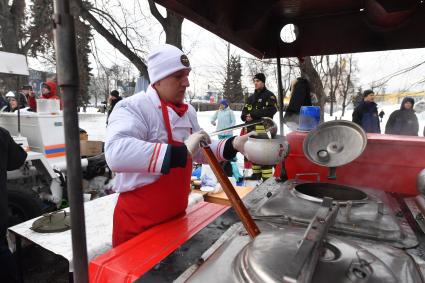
(231, 193)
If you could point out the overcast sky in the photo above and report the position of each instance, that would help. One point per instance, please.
(207, 53)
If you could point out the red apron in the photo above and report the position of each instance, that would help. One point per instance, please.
(149, 205)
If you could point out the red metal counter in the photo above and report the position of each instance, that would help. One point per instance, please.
(130, 260)
(389, 163)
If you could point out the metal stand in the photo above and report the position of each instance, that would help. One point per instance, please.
(68, 82)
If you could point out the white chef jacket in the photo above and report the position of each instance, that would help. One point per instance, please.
(136, 139)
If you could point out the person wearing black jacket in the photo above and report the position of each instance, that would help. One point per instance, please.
(366, 113)
(113, 99)
(262, 103)
(300, 96)
(403, 121)
(12, 156)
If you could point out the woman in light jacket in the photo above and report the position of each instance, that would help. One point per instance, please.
(225, 118)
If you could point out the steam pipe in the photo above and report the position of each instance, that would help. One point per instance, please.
(67, 73)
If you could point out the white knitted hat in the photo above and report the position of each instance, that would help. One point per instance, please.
(165, 60)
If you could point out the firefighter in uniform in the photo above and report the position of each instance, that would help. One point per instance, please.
(262, 103)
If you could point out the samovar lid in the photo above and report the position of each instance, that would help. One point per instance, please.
(335, 143)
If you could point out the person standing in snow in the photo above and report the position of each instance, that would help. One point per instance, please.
(29, 95)
(381, 115)
(12, 157)
(151, 140)
(225, 118)
(300, 96)
(262, 103)
(113, 99)
(403, 121)
(366, 113)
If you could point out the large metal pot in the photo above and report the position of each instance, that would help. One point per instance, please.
(266, 151)
(339, 193)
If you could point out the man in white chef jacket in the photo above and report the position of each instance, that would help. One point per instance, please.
(151, 142)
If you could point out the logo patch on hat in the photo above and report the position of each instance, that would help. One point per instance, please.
(185, 60)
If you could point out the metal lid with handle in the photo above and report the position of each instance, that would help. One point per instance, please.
(334, 143)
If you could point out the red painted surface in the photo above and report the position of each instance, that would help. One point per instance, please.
(130, 260)
(389, 163)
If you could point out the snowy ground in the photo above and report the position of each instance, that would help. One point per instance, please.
(95, 123)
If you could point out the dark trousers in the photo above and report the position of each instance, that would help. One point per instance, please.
(8, 268)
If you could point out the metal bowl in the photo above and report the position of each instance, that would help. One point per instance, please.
(266, 151)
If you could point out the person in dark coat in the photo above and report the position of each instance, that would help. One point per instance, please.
(366, 113)
(114, 98)
(300, 96)
(381, 114)
(29, 95)
(15, 101)
(3, 103)
(403, 121)
(12, 157)
(262, 103)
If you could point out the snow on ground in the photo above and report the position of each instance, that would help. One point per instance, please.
(95, 123)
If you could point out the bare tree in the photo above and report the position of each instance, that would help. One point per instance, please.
(347, 87)
(269, 68)
(316, 86)
(113, 35)
(21, 34)
(334, 74)
(172, 25)
(122, 36)
(99, 88)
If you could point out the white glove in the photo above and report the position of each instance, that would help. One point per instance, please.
(239, 141)
(193, 141)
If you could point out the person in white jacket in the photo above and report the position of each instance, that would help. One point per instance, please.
(150, 143)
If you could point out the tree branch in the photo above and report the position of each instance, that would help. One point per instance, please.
(124, 49)
(110, 19)
(157, 14)
(34, 36)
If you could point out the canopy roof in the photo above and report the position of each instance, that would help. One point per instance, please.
(324, 26)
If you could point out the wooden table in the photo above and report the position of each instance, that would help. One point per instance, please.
(221, 198)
